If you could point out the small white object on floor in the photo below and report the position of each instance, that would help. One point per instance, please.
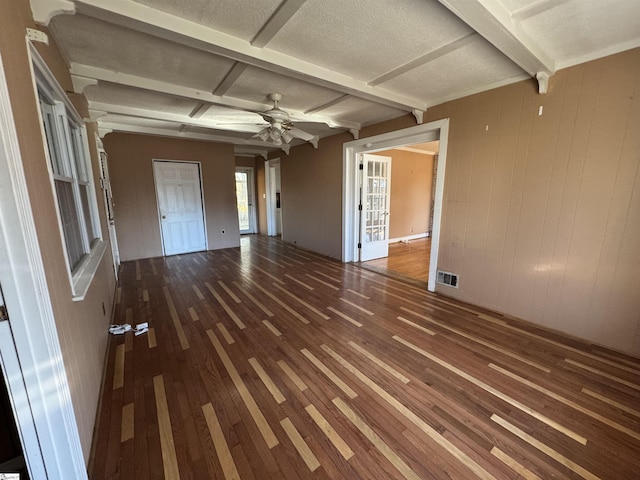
(141, 328)
(119, 329)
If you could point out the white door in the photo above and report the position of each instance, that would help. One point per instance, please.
(245, 199)
(376, 190)
(180, 206)
(108, 205)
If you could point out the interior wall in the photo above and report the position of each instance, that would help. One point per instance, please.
(245, 162)
(312, 196)
(540, 213)
(81, 326)
(411, 182)
(135, 205)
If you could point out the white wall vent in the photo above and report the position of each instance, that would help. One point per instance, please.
(447, 278)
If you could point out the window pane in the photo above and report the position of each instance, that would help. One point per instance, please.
(78, 153)
(70, 223)
(53, 144)
(84, 197)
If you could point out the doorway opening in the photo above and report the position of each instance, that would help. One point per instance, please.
(245, 199)
(274, 205)
(358, 182)
(410, 189)
(105, 181)
(180, 206)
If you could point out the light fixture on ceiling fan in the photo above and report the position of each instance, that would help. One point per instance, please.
(281, 129)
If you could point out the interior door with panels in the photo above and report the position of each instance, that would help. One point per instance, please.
(180, 206)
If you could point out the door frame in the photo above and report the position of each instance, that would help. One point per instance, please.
(251, 184)
(107, 195)
(155, 185)
(30, 354)
(272, 229)
(437, 130)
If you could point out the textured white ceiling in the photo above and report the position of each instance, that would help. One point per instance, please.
(477, 63)
(595, 26)
(188, 68)
(366, 38)
(240, 18)
(93, 42)
(256, 83)
(109, 93)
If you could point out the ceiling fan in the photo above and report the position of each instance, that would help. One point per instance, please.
(280, 129)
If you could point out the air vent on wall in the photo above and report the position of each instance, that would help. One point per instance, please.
(447, 278)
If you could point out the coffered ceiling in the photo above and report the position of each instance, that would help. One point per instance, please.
(203, 68)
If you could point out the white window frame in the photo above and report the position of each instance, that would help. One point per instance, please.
(71, 138)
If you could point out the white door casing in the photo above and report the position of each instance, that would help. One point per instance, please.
(105, 181)
(437, 130)
(179, 194)
(376, 197)
(245, 194)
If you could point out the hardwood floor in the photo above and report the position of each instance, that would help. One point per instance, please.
(406, 261)
(271, 362)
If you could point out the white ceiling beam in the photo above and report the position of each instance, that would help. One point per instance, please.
(199, 110)
(230, 78)
(280, 17)
(328, 104)
(131, 14)
(423, 59)
(493, 21)
(172, 117)
(150, 84)
(113, 125)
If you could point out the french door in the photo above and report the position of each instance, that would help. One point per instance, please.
(376, 197)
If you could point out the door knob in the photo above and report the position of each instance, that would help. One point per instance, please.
(164, 216)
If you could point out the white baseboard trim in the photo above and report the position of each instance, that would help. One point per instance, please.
(409, 237)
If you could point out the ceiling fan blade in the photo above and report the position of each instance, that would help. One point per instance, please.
(296, 132)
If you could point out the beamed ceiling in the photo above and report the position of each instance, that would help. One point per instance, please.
(201, 68)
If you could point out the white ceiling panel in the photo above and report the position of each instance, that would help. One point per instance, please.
(240, 18)
(460, 72)
(230, 115)
(367, 38)
(255, 84)
(93, 42)
(595, 26)
(110, 93)
(361, 111)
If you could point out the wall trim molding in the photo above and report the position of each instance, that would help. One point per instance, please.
(408, 238)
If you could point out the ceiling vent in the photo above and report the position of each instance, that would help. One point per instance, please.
(447, 278)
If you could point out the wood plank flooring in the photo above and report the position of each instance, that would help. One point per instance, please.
(410, 260)
(269, 362)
